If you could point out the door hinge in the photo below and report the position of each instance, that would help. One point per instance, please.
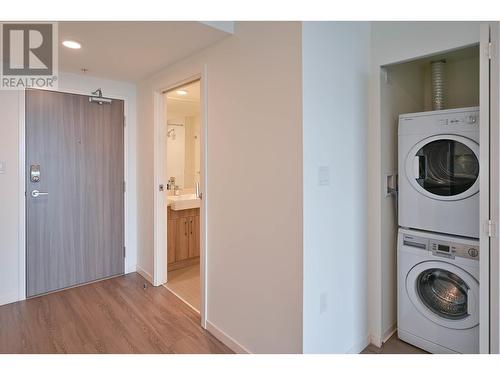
(491, 228)
(124, 252)
(489, 50)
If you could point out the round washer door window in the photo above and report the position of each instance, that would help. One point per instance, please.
(444, 293)
(444, 167)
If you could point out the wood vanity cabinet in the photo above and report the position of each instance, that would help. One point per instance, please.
(183, 237)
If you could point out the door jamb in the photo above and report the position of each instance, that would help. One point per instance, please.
(160, 177)
(22, 182)
(493, 276)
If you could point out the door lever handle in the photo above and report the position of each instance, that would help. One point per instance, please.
(36, 193)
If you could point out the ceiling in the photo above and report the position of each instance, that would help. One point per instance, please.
(192, 92)
(131, 51)
(184, 105)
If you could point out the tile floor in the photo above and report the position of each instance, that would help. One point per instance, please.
(185, 283)
(393, 346)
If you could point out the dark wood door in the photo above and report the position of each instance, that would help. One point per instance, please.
(74, 232)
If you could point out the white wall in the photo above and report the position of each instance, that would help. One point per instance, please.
(9, 197)
(176, 150)
(335, 58)
(393, 42)
(11, 259)
(254, 182)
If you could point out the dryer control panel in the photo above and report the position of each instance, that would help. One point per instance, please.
(464, 119)
(453, 249)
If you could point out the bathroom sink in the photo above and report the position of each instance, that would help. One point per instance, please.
(183, 202)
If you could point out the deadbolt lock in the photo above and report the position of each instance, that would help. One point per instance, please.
(35, 173)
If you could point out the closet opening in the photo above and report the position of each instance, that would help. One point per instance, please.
(429, 115)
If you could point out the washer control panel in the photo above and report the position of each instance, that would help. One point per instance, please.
(453, 249)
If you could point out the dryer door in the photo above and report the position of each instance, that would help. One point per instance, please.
(444, 293)
(444, 167)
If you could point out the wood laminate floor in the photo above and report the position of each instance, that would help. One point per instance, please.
(111, 316)
(185, 283)
(393, 346)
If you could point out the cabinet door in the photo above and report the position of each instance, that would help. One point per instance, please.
(182, 239)
(194, 237)
(171, 235)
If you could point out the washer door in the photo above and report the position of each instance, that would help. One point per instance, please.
(444, 167)
(444, 293)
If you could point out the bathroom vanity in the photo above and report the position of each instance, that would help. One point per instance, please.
(183, 228)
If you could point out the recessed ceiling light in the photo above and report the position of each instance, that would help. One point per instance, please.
(72, 44)
(181, 92)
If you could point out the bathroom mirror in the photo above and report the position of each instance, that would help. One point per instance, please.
(183, 135)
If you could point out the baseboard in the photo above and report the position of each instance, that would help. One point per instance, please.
(375, 340)
(226, 339)
(131, 268)
(8, 298)
(145, 274)
(389, 332)
(183, 264)
(379, 340)
(360, 345)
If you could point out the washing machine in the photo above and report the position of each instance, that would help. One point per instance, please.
(438, 292)
(438, 155)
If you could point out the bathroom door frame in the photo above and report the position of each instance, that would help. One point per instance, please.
(160, 272)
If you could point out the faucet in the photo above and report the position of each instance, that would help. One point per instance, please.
(171, 183)
(198, 192)
(176, 189)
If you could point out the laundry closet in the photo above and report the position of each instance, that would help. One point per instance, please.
(429, 123)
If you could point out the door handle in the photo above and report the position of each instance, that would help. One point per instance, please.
(36, 193)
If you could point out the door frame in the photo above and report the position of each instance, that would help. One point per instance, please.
(160, 272)
(375, 231)
(484, 196)
(22, 181)
(490, 209)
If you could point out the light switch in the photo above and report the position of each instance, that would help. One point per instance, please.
(324, 175)
(2, 166)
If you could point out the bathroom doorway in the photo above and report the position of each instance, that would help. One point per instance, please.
(182, 121)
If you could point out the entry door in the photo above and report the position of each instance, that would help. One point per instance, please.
(74, 190)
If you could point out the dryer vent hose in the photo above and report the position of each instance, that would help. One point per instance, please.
(438, 84)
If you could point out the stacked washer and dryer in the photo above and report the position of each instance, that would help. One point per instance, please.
(438, 216)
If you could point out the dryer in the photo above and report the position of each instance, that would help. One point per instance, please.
(438, 292)
(438, 155)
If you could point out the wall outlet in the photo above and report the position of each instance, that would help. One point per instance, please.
(324, 175)
(323, 303)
